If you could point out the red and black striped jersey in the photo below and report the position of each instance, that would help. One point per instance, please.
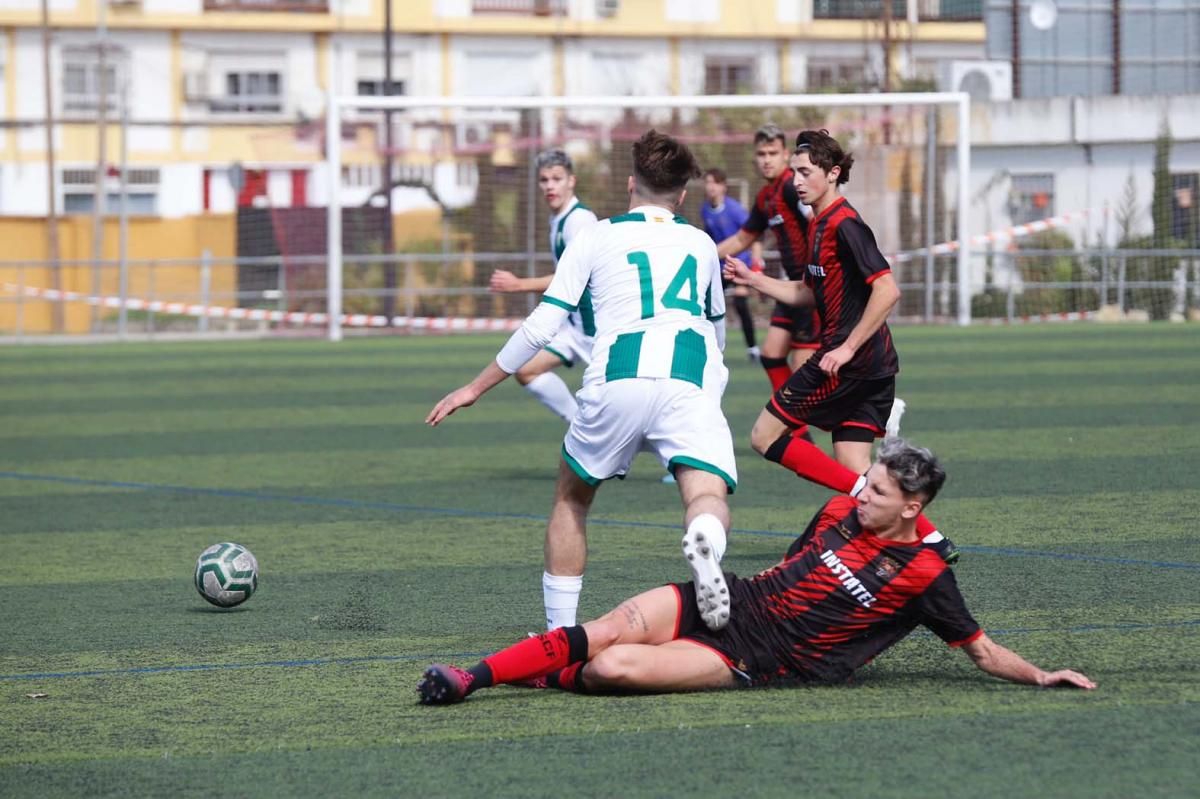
(845, 260)
(843, 595)
(778, 207)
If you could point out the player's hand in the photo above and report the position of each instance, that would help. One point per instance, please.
(459, 398)
(736, 272)
(504, 282)
(835, 359)
(1071, 679)
(757, 265)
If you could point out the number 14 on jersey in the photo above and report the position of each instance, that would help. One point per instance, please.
(674, 294)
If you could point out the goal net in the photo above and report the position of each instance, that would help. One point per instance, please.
(465, 202)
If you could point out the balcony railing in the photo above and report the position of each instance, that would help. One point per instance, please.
(309, 6)
(532, 8)
(929, 10)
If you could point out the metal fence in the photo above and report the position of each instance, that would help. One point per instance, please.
(437, 291)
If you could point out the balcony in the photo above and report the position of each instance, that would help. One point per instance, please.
(927, 10)
(526, 8)
(283, 6)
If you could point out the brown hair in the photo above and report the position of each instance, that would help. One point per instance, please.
(717, 174)
(770, 132)
(662, 164)
(824, 151)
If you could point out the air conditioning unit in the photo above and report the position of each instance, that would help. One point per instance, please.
(984, 81)
(195, 86)
(472, 133)
(607, 9)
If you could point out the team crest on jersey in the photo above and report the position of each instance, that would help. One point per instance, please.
(887, 567)
(816, 270)
(843, 531)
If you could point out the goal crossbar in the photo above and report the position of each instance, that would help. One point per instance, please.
(335, 104)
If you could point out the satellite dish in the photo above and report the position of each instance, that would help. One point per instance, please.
(1043, 14)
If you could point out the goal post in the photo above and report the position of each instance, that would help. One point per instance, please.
(467, 136)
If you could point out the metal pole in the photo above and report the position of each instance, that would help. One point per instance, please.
(123, 236)
(51, 177)
(205, 286)
(333, 149)
(931, 132)
(964, 188)
(98, 202)
(389, 237)
(533, 128)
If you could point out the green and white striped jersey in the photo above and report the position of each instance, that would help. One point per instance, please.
(564, 227)
(655, 286)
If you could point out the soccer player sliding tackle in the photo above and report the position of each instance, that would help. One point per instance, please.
(856, 582)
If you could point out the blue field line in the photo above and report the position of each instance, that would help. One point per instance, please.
(460, 657)
(484, 514)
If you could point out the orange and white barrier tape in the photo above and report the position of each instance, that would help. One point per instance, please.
(1004, 234)
(437, 323)
(1064, 316)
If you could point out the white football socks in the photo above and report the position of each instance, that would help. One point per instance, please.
(713, 531)
(561, 597)
(552, 392)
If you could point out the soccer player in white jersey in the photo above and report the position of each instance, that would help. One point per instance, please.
(655, 380)
(556, 179)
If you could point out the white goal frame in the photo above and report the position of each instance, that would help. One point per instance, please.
(333, 151)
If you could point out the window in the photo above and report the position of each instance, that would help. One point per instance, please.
(538, 8)
(837, 76)
(370, 69)
(82, 84)
(250, 92)
(1031, 198)
(141, 191)
(369, 87)
(728, 76)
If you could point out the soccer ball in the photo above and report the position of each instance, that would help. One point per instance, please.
(226, 574)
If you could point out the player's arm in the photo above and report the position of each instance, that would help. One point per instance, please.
(1001, 662)
(737, 242)
(505, 282)
(714, 300)
(858, 248)
(561, 298)
(757, 264)
(789, 292)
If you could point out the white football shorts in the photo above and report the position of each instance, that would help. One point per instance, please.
(677, 421)
(571, 345)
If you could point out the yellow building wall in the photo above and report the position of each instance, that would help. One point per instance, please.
(150, 238)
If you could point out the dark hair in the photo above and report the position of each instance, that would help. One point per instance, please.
(915, 468)
(718, 175)
(770, 132)
(555, 157)
(824, 151)
(662, 165)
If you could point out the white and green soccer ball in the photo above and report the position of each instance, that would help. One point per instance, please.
(226, 574)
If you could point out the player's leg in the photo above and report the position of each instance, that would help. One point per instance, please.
(651, 617)
(741, 304)
(778, 346)
(538, 377)
(705, 521)
(690, 434)
(674, 666)
(566, 547)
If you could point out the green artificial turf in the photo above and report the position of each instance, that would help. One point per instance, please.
(1074, 490)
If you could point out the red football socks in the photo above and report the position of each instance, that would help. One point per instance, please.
(538, 656)
(778, 371)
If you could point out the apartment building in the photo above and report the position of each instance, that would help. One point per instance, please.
(215, 105)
